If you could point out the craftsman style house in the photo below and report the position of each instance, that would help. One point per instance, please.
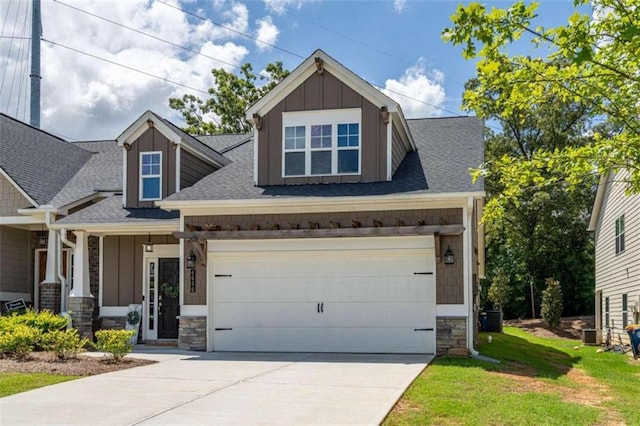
(616, 222)
(335, 226)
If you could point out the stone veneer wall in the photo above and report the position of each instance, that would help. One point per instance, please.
(82, 315)
(451, 336)
(94, 272)
(192, 334)
(50, 296)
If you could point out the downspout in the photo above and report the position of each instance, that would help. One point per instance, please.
(63, 240)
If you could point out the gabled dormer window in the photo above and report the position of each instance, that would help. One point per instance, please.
(321, 143)
(150, 176)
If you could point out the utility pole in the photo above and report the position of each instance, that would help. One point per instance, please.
(36, 32)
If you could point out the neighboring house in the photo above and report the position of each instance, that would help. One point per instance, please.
(336, 226)
(616, 222)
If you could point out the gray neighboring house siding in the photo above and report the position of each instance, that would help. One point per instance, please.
(617, 274)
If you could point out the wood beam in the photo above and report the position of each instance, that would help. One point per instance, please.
(322, 233)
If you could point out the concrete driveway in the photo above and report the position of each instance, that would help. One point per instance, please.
(225, 388)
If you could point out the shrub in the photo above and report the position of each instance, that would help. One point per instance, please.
(45, 321)
(117, 343)
(65, 344)
(20, 341)
(552, 303)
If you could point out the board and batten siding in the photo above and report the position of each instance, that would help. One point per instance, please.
(11, 199)
(151, 140)
(15, 260)
(192, 169)
(323, 92)
(618, 274)
(123, 267)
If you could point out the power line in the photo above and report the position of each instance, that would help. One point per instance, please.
(23, 64)
(125, 66)
(146, 34)
(8, 56)
(204, 18)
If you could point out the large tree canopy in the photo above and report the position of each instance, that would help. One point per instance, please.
(592, 61)
(223, 112)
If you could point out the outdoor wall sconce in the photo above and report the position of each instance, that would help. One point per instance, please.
(148, 245)
(191, 266)
(448, 256)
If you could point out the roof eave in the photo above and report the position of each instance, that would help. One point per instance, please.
(597, 204)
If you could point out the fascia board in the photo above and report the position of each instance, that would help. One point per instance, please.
(140, 126)
(129, 228)
(597, 204)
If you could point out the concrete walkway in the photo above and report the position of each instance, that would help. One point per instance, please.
(225, 388)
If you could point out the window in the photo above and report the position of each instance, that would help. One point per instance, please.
(624, 310)
(606, 312)
(150, 176)
(620, 234)
(321, 143)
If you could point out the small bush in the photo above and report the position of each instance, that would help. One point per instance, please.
(117, 343)
(499, 292)
(552, 303)
(45, 321)
(65, 344)
(20, 341)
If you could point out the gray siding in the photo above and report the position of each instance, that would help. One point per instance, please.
(151, 140)
(192, 169)
(320, 92)
(398, 149)
(10, 198)
(15, 260)
(618, 274)
(122, 271)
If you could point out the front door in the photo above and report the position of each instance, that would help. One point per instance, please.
(168, 298)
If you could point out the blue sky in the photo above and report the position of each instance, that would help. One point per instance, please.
(394, 44)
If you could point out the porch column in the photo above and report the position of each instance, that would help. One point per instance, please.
(80, 299)
(50, 288)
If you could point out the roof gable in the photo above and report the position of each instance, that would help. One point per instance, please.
(38, 163)
(175, 135)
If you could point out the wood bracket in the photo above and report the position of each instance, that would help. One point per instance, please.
(127, 146)
(319, 66)
(385, 114)
(257, 121)
(195, 245)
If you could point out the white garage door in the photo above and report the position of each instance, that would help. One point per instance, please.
(371, 295)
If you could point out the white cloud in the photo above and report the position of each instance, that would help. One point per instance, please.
(418, 91)
(280, 6)
(399, 5)
(85, 98)
(266, 34)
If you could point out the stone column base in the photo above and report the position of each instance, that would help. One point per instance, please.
(192, 333)
(50, 294)
(82, 315)
(451, 336)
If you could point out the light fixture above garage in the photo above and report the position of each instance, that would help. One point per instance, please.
(448, 256)
(148, 245)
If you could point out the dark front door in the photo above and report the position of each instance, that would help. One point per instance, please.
(169, 298)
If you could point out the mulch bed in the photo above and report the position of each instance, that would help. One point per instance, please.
(569, 328)
(46, 362)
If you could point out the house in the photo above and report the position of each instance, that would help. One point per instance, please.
(615, 220)
(337, 225)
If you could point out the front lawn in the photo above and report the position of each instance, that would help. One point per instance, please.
(11, 383)
(539, 381)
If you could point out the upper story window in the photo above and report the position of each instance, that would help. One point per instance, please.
(150, 176)
(620, 234)
(321, 143)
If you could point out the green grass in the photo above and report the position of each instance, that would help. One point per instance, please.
(12, 383)
(531, 386)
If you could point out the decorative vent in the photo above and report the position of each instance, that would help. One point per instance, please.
(589, 336)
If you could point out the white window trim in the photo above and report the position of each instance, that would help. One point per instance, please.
(620, 235)
(331, 117)
(141, 178)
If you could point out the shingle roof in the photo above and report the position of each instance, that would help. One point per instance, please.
(40, 163)
(447, 148)
(103, 172)
(223, 143)
(110, 210)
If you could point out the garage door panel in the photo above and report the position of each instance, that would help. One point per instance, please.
(326, 339)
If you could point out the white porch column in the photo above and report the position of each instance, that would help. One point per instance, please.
(81, 281)
(51, 275)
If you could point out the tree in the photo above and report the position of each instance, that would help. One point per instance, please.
(224, 111)
(591, 61)
(499, 290)
(552, 303)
